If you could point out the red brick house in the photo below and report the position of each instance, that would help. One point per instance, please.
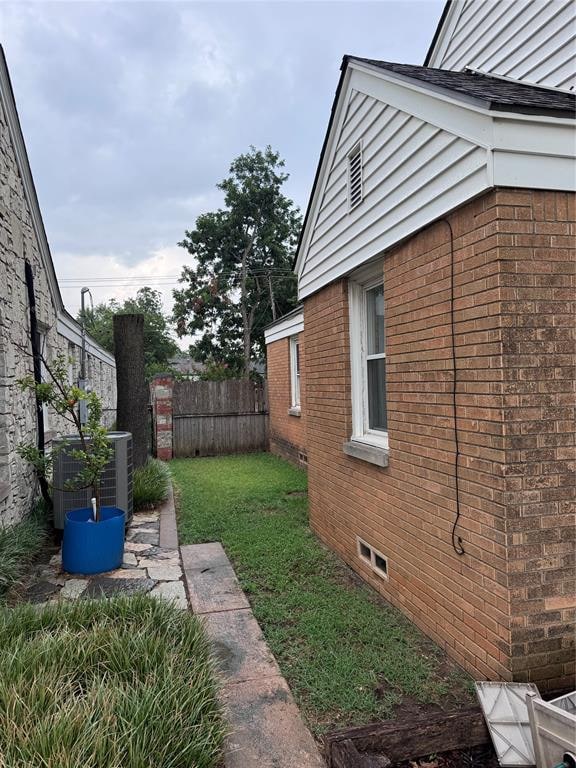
(286, 389)
(436, 270)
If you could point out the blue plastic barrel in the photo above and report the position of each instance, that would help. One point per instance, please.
(90, 547)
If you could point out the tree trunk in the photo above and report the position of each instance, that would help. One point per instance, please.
(133, 396)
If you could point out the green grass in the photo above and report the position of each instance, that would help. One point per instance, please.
(151, 484)
(19, 544)
(120, 683)
(348, 656)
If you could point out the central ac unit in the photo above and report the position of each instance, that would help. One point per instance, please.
(115, 483)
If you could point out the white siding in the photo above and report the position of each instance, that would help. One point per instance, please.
(530, 40)
(284, 327)
(413, 172)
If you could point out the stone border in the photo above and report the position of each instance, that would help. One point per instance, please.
(168, 526)
(267, 730)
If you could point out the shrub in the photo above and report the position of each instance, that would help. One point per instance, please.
(107, 683)
(151, 484)
(19, 543)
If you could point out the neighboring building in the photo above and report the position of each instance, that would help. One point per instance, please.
(23, 242)
(436, 269)
(527, 41)
(285, 355)
(186, 366)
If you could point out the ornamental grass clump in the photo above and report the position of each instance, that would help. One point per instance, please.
(151, 484)
(19, 543)
(95, 450)
(121, 683)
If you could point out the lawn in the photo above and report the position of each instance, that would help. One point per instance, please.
(122, 683)
(348, 656)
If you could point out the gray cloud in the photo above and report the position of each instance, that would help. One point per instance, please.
(132, 112)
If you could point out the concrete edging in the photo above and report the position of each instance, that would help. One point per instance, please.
(267, 728)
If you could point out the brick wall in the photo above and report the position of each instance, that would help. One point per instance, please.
(287, 431)
(503, 609)
(538, 344)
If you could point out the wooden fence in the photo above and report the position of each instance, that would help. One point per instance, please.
(211, 418)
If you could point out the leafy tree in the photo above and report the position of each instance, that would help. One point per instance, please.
(159, 347)
(241, 278)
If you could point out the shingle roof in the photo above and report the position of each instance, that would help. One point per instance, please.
(500, 94)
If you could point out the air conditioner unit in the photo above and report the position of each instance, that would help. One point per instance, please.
(115, 484)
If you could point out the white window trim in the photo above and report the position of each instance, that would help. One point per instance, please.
(295, 393)
(361, 282)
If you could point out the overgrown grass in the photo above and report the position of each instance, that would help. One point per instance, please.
(151, 484)
(120, 683)
(348, 656)
(19, 544)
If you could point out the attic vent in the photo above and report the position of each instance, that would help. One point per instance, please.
(355, 176)
(372, 557)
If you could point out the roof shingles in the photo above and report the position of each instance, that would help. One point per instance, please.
(500, 94)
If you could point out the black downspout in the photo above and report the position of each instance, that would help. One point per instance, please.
(36, 356)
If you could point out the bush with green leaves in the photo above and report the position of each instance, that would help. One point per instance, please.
(151, 484)
(95, 451)
(121, 683)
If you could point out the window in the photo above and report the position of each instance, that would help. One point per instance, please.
(368, 359)
(355, 176)
(295, 373)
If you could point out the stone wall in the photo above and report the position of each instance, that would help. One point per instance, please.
(18, 244)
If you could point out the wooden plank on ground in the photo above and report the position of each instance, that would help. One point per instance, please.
(416, 737)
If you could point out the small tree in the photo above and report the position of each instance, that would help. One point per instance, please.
(95, 451)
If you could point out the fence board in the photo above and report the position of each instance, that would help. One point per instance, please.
(212, 418)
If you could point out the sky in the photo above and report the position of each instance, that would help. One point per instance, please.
(133, 111)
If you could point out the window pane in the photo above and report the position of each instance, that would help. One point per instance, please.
(377, 394)
(375, 320)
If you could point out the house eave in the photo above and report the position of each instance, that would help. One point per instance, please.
(531, 150)
(288, 325)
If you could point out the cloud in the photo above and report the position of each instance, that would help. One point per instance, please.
(133, 111)
(108, 277)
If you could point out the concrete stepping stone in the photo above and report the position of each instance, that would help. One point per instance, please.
(197, 557)
(212, 583)
(173, 591)
(134, 546)
(168, 528)
(160, 572)
(239, 646)
(144, 538)
(267, 730)
(157, 562)
(41, 591)
(73, 589)
(108, 587)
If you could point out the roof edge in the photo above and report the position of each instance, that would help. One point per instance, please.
(439, 27)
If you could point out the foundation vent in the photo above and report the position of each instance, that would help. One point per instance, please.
(376, 560)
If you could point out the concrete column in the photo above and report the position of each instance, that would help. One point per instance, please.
(162, 386)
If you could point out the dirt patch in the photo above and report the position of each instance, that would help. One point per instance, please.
(473, 757)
